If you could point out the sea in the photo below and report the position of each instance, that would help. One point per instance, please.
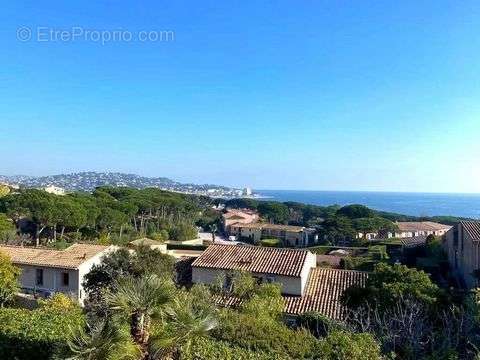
(416, 204)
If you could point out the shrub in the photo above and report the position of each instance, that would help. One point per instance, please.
(342, 345)
(8, 279)
(35, 334)
(264, 334)
(270, 242)
(207, 349)
(318, 324)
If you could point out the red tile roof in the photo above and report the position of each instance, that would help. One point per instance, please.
(256, 259)
(324, 290)
(268, 226)
(421, 226)
(472, 228)
(70, 258)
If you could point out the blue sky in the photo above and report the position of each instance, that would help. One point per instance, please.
(323, 95)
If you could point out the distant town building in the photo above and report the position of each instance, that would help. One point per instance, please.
(54, 190)
(408, 229)
(297, 236)
(419, 228)
(45, 271)
(247, 191)
(305, 287)
(462, 244)
(238, 216)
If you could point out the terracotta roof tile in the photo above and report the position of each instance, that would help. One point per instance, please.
(421, 226)
(412, 242)
(472, 228)
(324, 290)
(70, 258)
(288, 262)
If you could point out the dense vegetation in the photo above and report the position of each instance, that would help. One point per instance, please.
(135, 310)
(110, 214)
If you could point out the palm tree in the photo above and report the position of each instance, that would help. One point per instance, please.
(186, 319)
(102, 341)
(141, 299)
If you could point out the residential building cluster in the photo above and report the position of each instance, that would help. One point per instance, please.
(46, 271)
(244, 225)
(304, 286)
(409, 229)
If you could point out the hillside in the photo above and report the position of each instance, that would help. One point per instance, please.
(88, 181)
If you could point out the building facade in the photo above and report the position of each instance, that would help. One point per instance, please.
(305, 287)
(409, 229)
(45, 271)
(462, 244)
(238, 216)
(288, 267)
(294, 236)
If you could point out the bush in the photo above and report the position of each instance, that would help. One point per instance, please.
(36, 334)
(342, 345)
(271, 243)
(8, 279)
(182, 232)
(264, 334)
(318, 324)
(207, 349)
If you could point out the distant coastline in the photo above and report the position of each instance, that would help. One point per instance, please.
(415, 204)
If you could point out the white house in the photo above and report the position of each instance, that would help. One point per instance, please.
(305, 287)
(46, 271)
(288, 267)
(407, 229)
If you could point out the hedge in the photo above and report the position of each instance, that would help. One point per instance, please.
(35, 334)
(208, 349)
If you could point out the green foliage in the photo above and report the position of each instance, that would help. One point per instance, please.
(341, 345)
(104, 340)
(120, 213)
(6, 224)
(274, 211)
(386, 285)
(373, 224)
(355, 211)
(264, 334)
(35, 334)
(318, 324)
(182, 232)
(270, 242)
(9, 275)
(208, 349)
(4, 190)
(161, 235)
(122, 263)
(257, 326)
(337, 228)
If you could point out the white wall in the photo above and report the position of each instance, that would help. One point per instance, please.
(52, 279)
(290, 285)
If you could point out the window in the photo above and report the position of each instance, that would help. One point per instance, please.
(39, 277)
(270, 279)
(65, 279)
